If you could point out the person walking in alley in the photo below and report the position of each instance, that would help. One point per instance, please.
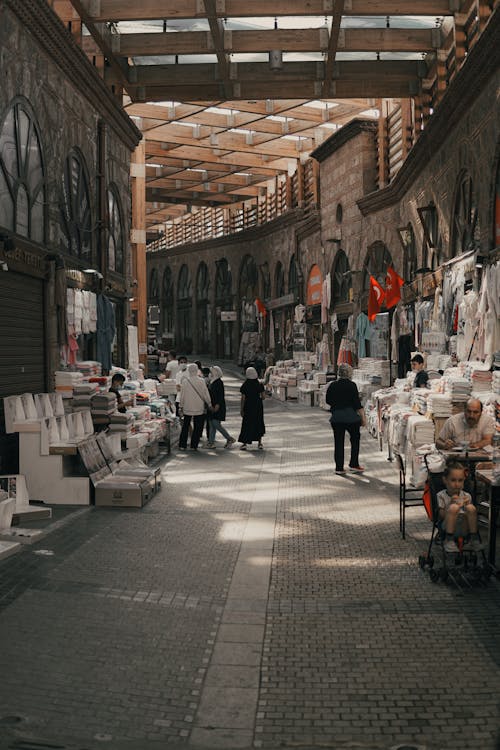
(218, 413)
(346, 415)
(252, 410)
(194, 403)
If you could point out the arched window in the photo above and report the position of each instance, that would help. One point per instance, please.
(202, 283)
(465, 228)
(433, 244)
(407, 236)
(154, 288)
(293, 278)
(75, 210)
(116, 243)
(378, 260)
(266, 280)
(248, 286)
(184, 303)
(22, 174)
(279, 280)
(168, 301)
(341, 279)
(223, 281)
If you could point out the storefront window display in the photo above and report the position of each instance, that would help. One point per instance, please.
(22, 174)
(115, 232)
(75, 208)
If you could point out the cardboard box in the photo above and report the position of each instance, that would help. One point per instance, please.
(130, 494)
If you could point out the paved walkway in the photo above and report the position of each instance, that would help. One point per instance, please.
(258, 601)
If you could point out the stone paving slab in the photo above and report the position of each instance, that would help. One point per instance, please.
(258, 601)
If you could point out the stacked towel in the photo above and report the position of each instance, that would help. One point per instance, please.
(440, 404)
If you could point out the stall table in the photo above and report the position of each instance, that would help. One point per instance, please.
(486, 477)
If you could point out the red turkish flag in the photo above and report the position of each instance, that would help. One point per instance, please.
(393, 284)
(375, 298)
(261, 309)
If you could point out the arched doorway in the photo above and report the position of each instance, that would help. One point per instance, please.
(167, 308)
(203, 313)
(410, 259)
(75, 209)
(248, 289)
(184, 305)
(432, 249)
(223, 304)
(341, 299)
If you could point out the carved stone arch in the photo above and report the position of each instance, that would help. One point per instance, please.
(23, 182)
(153, 287)
(115, 230)
(248, 284)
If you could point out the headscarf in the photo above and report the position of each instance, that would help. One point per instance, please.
(192, 370)
(251, 373)
(216, 372)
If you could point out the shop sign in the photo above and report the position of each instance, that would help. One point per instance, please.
(143, 348)
(285, 301)
(227, 315)
(25, 261)
(314, 286)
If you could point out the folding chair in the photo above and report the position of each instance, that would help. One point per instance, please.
(408, 496)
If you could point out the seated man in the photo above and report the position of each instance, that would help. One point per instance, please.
(472, 427)
(117, 382)
(421, 377)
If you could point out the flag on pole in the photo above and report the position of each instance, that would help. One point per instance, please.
(375, 298)
(261, 309)
(393, 284)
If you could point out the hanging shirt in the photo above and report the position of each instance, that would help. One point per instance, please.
(362, 333)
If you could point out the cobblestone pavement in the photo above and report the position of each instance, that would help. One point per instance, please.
(258, 601)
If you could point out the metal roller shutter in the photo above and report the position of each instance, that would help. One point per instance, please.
(22, 350)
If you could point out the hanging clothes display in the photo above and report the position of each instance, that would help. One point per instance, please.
(363, 333)
(106, 329)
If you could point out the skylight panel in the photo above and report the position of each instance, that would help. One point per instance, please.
(322, 104)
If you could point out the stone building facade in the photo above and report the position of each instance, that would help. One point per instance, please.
(441, 203)
(65, 146)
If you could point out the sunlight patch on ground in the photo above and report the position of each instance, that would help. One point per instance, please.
(360, 562)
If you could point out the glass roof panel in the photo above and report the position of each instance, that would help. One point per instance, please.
(302, 56)
(394, 22)
(245, 57)
(268, 22)
(156, 26)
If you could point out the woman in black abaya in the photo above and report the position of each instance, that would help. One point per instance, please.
(252, 410)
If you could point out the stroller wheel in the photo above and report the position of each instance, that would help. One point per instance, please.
(422, 561)
(444, 575)
(433, 575)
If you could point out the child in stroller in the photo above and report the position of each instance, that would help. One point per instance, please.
(457, 509)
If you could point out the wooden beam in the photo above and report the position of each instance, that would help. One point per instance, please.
(131, 10)
(333, 39)
(288, 40)
(217, 32)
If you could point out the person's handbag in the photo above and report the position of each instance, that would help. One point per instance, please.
(345, 415)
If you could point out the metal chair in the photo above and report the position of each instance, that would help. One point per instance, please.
(408, 496)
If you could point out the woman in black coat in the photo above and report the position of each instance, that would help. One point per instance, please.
(218, 413)
(347, 415)
(252, 410)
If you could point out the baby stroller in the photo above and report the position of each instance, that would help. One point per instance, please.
(463, 567)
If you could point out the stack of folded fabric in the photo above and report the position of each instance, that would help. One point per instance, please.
(481, 380)
(419, 399)
(420, 431)
(66, 381)
(121, 423)
(82, 395)
(89, 368)
(440, 404)
(495, 381)
(102, 406)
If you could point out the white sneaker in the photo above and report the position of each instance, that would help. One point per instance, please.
(229, 442)
(450, 545)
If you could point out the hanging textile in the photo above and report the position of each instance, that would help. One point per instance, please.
(106, 329)
(363, 333)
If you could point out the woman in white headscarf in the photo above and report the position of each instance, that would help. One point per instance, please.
(194, 403)
(252, 410)
(218, 413)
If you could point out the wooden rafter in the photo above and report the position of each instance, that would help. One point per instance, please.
(217, 32)
(338, 9)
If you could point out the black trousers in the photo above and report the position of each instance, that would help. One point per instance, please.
(198, 422)
(339, 431)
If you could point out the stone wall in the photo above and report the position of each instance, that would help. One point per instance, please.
(66, 119)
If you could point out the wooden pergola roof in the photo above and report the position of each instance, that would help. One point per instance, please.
(230, 93)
